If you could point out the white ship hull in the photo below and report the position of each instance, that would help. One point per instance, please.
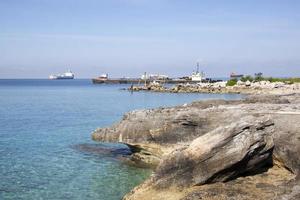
(66, 75)
(63, 77)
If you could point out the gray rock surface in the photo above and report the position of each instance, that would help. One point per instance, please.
(215, 149)
(262, 87)
(223, 154)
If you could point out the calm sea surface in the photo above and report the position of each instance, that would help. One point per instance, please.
(46, 151)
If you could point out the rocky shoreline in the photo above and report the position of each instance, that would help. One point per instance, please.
(261, 87)
(216, 149)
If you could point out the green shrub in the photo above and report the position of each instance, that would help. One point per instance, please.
(231, 82)
(247, 78)
(258, 78)
(285, 80)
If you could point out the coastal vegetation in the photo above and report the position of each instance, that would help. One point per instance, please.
(270, 79)
(231, 82)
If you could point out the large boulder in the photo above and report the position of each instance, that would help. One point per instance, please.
(220, 155)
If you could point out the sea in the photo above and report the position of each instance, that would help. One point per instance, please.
(46, 150)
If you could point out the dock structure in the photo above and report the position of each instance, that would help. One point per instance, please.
(141, 81)
(130, 81)
(116, 81)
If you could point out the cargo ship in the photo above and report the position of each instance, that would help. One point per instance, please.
(66, 75)
(234, 75)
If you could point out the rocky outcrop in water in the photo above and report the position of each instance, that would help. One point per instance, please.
(262, 87)
(245, 149)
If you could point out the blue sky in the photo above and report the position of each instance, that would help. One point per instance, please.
(129, 37)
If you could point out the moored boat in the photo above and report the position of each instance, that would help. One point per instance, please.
(197, 76)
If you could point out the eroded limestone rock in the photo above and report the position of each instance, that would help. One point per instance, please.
(220, 155)
(246, 149)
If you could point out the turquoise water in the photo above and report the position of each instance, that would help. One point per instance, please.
(45, 146)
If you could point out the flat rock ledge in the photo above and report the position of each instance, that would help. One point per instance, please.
(216, 149)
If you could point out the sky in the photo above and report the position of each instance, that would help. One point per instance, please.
(126, 38)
